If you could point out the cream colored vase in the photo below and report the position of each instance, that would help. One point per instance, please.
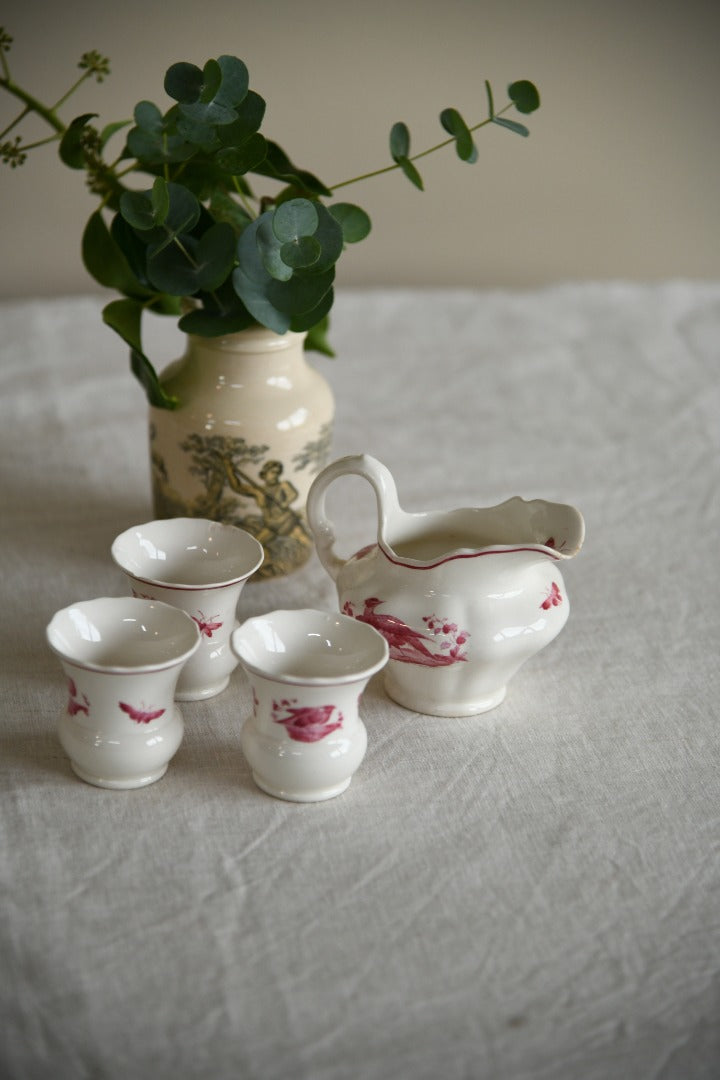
(253, 429)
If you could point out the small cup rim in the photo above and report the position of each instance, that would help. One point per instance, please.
(184, 620)
(182, 586)
(373, 636)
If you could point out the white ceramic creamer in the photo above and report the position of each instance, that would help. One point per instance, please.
(463, 597)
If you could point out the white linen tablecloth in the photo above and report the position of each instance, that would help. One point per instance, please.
(531, 893)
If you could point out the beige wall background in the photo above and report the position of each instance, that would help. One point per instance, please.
(618, 179)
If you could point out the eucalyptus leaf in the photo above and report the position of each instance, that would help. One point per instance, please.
(524, 95)
(137, 209)
(269, 248)
(511, 125)
(183, 82)
(301, 253)
(212, 78)
(353, 221)
(105, 260)
(411, 172)
(278, 166)
(399, 141)
(111, 129)
(236, 160)
(453, 123)
(300, 294)
(173, 268)
(235, 81)
(317, 338)
(71, 145)
(125, 318)
(249, 117)
(160, 198)
(295, 219)
(310, 318)
(215, 256)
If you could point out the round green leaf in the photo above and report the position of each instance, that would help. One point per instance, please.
(524, 95)
(453, 122)
(148, 117)
(212, 77)
(353, 221)
(184, 82)
(137, 209)
(215, 256)
(301, 253)
(235, 81)
(294, 219)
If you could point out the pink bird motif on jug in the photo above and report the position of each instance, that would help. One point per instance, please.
(206, 625)
(553, 598)
(140, 716)
(413, 646)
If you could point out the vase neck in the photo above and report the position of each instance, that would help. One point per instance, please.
(255, 341)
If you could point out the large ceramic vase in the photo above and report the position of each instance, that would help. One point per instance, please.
(252, 430)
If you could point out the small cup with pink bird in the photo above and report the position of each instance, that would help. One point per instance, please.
(307, 670)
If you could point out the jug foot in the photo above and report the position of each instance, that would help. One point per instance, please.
(445, 708)
(121, 783)
(317, 795)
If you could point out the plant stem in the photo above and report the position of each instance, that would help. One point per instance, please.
(85, 75)
(422, 154)
(33, 105)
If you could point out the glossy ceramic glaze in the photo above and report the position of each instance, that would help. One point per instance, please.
(200, 567)
(463, 598)
(252, 428)
(308, 669)
(122, 657)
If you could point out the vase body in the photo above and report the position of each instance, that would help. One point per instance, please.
(252, 430)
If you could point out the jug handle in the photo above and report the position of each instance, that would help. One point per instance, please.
(383, 485)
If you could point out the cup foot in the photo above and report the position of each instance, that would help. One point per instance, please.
(119, 783)
(317, 795)
(202, 692)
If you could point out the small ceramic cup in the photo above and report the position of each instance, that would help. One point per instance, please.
(122, 658)
(305, 739)
(199, 566)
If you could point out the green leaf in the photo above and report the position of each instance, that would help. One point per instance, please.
(148, 117)
(278, 165)
(236, 160)
(295, 219)
(209, 323)
(212, 78)
(310, 318)
(71, 150)
(183, 82)
(173, 269)
(105, 261)
(124, 317)
(137, 209)
(301, 294)
(110, 129)
(353, 221)
(399, 150)
(399, 141)
(183, 215)
(160, 199)
(235, 82)
(329, 235)
(250, 113)
(410, 171)
(453, 123)
(224, 208)
(525, 96)
(268, 247)
(491, 103)
(317, 339)
(511, 125)
(301, 253)
(215, 256)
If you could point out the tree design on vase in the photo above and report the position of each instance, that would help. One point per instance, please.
(267, 505)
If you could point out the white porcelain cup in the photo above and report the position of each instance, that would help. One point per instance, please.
(305, 739)
(122, 658)
(199, 566)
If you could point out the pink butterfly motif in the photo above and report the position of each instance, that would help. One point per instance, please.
(207, 625)
(140, 716)
(74, 706)
(553, 597)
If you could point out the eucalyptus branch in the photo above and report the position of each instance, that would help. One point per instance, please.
(421, 154)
